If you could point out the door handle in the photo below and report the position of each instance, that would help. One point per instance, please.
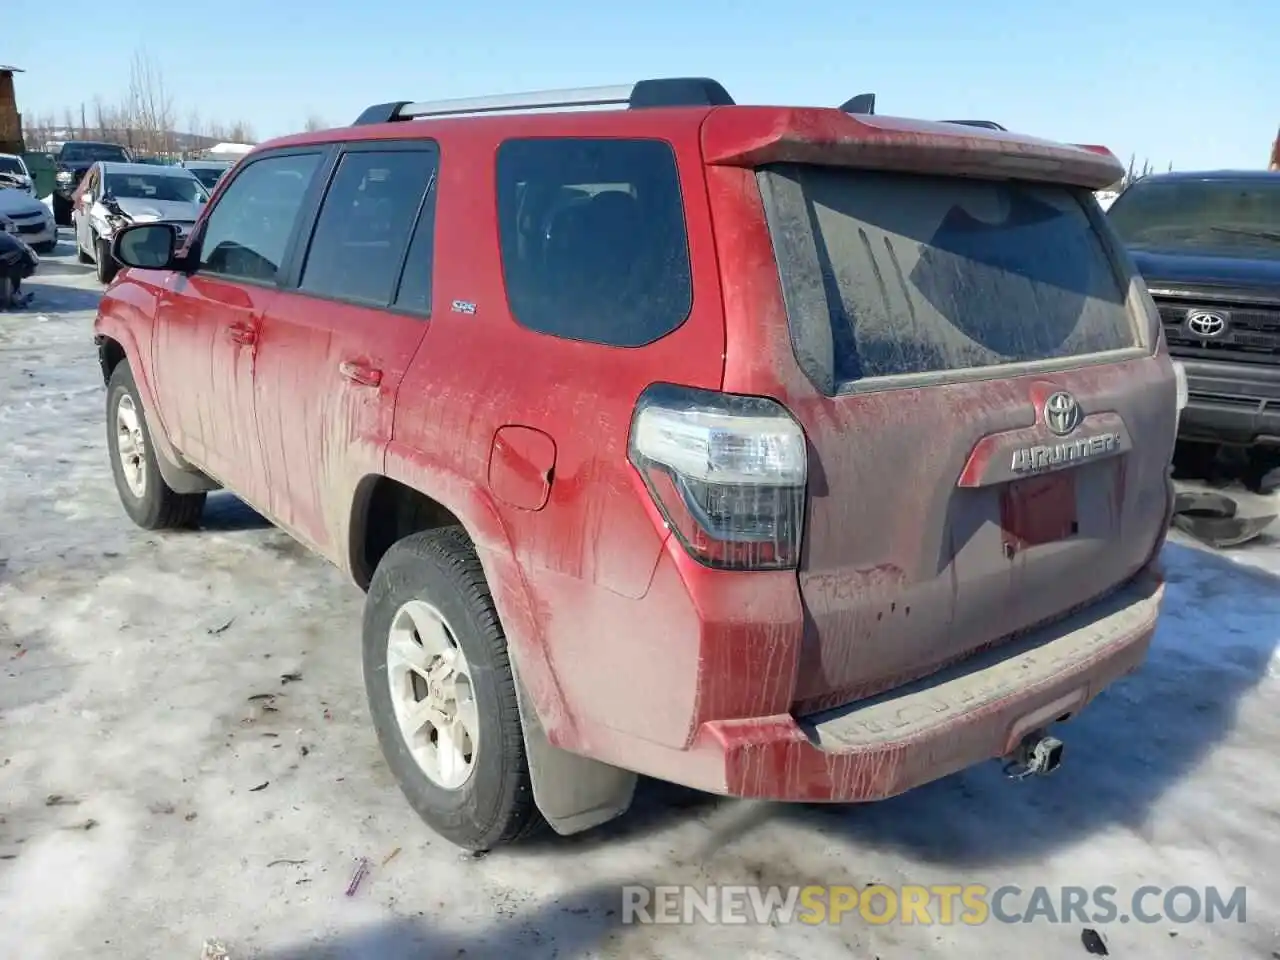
(242, 333)
(360, 374)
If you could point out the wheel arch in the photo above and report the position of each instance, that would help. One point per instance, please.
(116, 345)
(573, 792)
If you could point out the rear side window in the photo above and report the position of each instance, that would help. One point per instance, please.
(365, 223)
(248, 230)
(893, 274)
(593, 238)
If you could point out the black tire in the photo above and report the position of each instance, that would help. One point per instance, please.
(45, 248)
(107, 268)
(159, 507)
(61, 211)
(495, 805)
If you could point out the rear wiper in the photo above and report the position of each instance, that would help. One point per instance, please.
(1243, 232)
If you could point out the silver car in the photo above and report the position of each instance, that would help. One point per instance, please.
(20, 212)
(114, 195)
(14, 174)
(208, 172)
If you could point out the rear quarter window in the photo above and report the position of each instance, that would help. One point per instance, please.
(593, 238)
(894, 274)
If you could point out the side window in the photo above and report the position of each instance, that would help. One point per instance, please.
(414, 294)
(365, 223)
(593, 238)
(248, 230)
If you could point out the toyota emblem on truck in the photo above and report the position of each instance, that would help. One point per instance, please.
(1061, 413)
(1206, 323)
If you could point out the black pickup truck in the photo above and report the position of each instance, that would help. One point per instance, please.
(1208, 247)
(74, 159)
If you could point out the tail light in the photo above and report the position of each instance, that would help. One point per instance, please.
(727, 472)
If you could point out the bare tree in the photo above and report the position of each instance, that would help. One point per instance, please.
(315, 122)
(150, 105)
(241, 132)
(38, 130)
(144, 119)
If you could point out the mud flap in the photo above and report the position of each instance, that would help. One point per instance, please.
(1211, 518)
(573, 793)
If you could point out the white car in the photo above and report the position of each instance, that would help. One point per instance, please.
(14, 174)
(32, 221)
(113, 195)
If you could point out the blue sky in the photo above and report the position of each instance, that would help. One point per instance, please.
(1175, 81)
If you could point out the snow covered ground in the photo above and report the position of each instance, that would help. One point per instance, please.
(185, 754)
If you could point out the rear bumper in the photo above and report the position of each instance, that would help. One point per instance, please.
(976, 711)
(1236, 403)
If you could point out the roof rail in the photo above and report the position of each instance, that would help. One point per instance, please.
(661, 92)
(985, 124)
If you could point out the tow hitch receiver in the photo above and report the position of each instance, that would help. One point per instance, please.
(1037, 755)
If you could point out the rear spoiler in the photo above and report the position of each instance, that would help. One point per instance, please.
(755, 136)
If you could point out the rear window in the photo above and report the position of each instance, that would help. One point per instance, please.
(894, 274)
(593, 238)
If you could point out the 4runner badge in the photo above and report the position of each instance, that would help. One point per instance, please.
(1050, 456)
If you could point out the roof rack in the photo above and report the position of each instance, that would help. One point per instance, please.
(985, 124)
(660, 92)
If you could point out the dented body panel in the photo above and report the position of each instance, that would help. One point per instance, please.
(945, 521)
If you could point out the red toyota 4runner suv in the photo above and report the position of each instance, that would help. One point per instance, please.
(780, 452)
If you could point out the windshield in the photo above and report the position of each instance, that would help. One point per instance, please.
(208, 175)
(12, 165)
(1231, 216)
(93, 151)
(156, 187)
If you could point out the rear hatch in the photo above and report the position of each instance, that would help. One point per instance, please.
(974, 367)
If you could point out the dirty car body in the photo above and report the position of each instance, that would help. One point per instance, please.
(806, 456)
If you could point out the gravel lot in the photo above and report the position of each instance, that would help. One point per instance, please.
(185, 755)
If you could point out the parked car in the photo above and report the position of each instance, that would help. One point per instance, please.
(74, 159)
(32, 220)
(114, 195)
(208, 172)
(779, 452)
(17, 262)
(1208, 246)
(14, 174)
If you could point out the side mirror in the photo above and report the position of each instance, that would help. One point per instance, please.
(147, 246)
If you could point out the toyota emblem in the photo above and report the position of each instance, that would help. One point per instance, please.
(1061, 413)
(1206, 323)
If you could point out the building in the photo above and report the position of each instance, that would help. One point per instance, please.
(10, 118)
